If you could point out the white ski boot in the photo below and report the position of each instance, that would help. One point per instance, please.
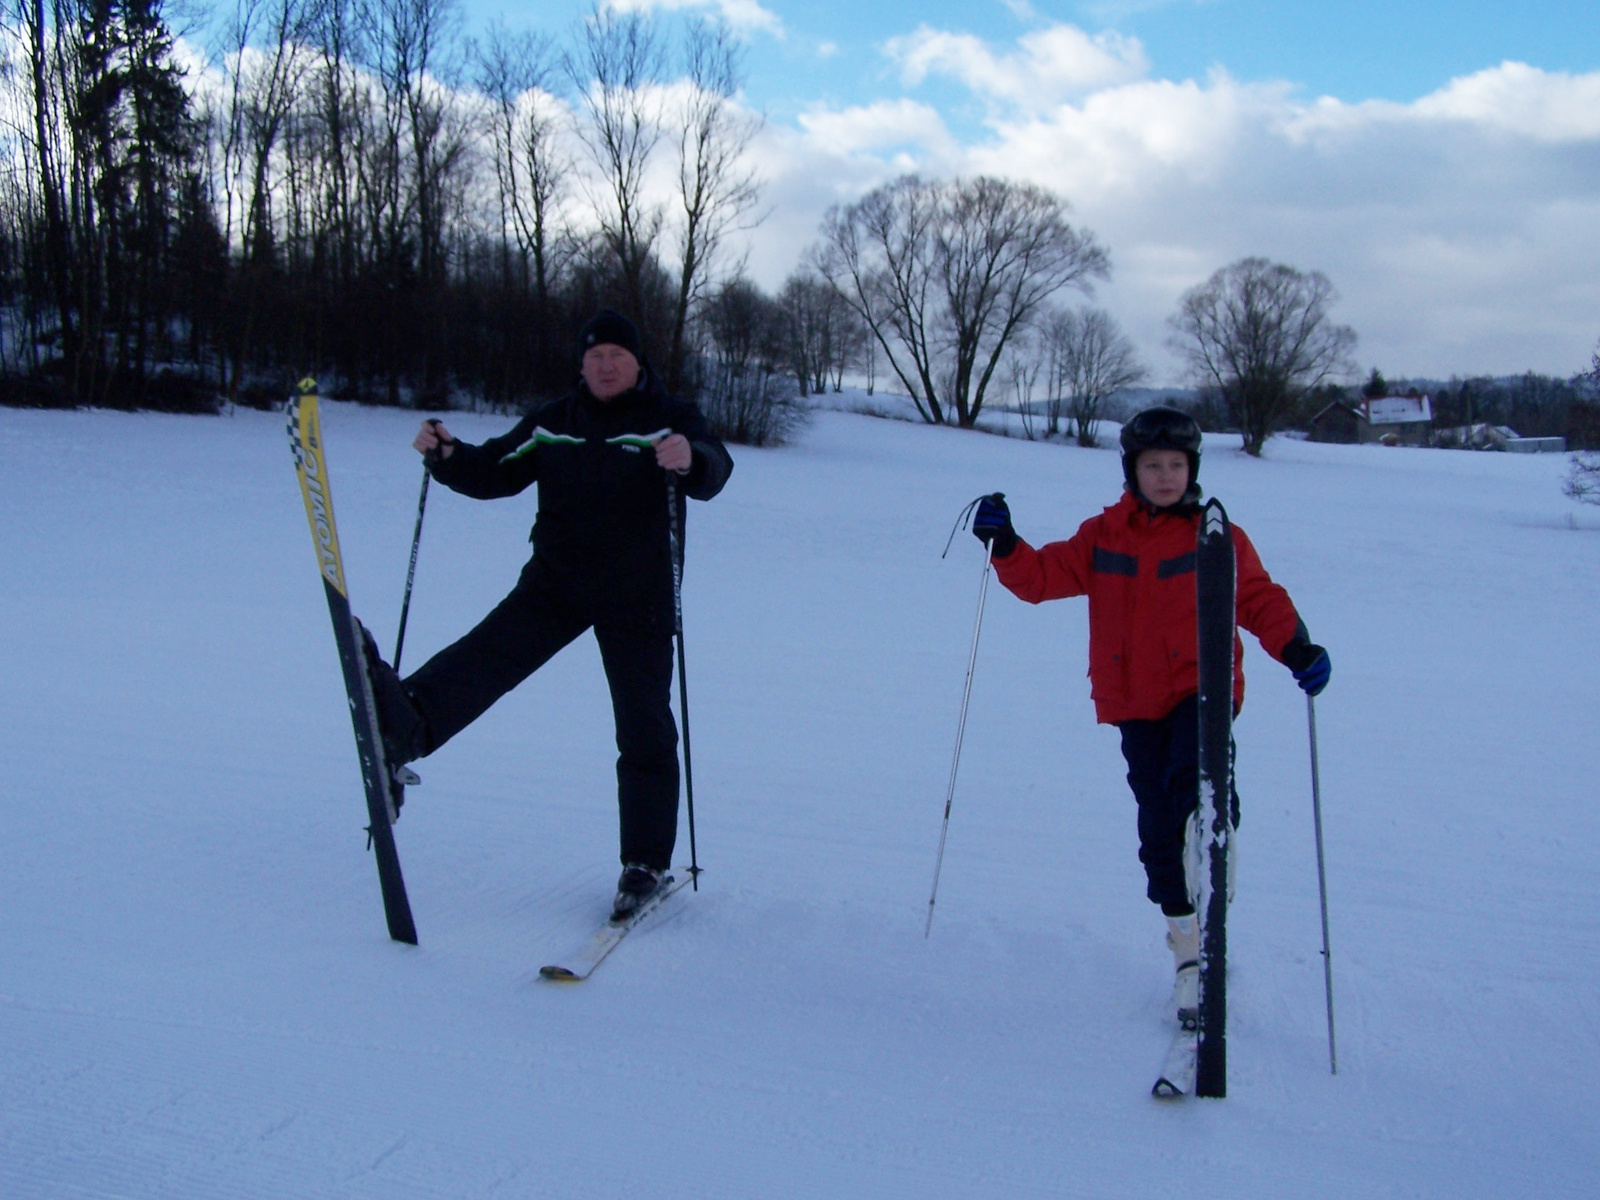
(1183, 939)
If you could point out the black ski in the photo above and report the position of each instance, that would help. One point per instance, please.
(1215, 578)
(383, 793)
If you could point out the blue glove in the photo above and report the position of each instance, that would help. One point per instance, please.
(991, 525)
(1310, 664)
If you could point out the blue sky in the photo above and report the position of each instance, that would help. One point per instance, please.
(1352, 49)
(1439, 162)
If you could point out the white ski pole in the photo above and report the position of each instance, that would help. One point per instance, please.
(1322, 880)
(961, 727)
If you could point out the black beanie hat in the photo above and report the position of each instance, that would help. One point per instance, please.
(610, 326)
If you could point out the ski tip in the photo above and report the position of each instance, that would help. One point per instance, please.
(560, 975)
(1165, 1089)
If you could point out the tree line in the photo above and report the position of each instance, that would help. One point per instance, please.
(1533, 404)
(355, 188)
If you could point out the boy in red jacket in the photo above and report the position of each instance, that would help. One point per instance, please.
(1136, 562)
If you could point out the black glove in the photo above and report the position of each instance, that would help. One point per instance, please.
(991, 525)
(1309, 662)
(436, 455)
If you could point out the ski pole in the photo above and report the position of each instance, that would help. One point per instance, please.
(961, 725)
(675, 545)
(411, 571)
(1322, 880)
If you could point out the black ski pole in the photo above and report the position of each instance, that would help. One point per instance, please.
(1322, 880)
(675, 545)
(961, 725)
(411, 571)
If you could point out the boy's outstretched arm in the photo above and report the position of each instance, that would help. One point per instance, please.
(1050, 573)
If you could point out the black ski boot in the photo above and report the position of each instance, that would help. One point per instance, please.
(402, 727)
(638, 884)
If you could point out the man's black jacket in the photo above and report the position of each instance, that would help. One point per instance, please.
(601, 536)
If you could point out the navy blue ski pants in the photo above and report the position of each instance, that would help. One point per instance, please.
(1164, 773)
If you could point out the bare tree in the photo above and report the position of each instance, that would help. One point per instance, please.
(944, 275)
(44, 148)
(266, 87)
(1021, 370)
(716, 189)
(746, 398)
(264, 71)
(823, 337)
(620, 59)
(1583, 473)
(877, 255)
(1091, 360)
(409, 171)
(516, 73)
(1259, 334)
(439, 137)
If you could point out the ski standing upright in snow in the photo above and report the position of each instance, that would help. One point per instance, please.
(1197, 1063)
(384, 793)
(1215, 581)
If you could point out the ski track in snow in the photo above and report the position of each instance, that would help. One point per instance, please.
(197, 998)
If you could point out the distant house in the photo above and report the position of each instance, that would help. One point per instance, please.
(1496, 437)
(1537, 445)
(1481, 436)
(1338, 422)
(1397, 420)
(1392, 420)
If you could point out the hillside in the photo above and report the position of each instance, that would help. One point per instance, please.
(197, 998)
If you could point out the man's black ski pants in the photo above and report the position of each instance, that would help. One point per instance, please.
(521, 634)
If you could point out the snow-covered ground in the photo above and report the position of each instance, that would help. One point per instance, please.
(197, 998)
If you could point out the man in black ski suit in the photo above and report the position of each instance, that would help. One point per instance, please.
(601, 457)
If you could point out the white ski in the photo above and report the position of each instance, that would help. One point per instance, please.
(1177, 1077)
(580, 964)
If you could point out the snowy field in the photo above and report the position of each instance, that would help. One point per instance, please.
(197, 998)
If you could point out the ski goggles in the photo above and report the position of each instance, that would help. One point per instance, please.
(1161, 428)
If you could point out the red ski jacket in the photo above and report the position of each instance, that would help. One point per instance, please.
(1137, 568)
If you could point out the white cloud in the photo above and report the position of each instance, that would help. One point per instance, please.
(1048, 65)
(1459, 229)
(887, 125)
(1522, 100)
(746, 16)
